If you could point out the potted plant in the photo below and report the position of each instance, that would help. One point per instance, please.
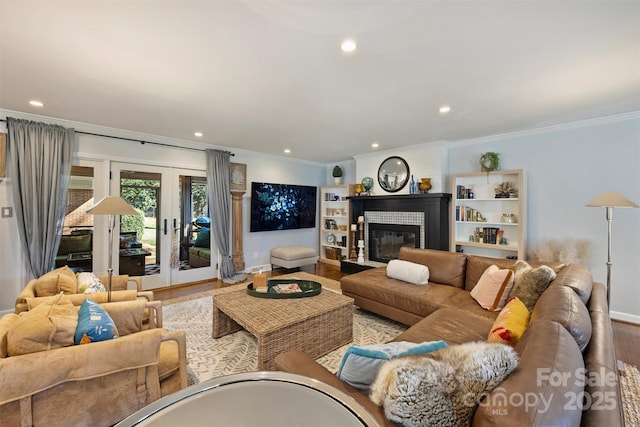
(337, 175)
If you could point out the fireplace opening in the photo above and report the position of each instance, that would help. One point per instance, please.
(385, 240)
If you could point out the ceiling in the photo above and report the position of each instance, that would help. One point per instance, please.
(269, 75)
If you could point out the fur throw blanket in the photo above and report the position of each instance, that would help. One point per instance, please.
(441, 388)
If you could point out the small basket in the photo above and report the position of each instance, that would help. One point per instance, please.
(333, 253)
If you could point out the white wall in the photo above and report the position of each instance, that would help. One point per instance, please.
(567, 166)
(425, 161)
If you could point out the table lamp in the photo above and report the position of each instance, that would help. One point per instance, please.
(112, 206)
(610, 200)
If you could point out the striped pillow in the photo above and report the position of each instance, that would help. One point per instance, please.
(493, 287)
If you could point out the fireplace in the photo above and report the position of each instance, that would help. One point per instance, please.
(385, 240)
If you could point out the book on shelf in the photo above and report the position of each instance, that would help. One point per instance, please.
(487, 235)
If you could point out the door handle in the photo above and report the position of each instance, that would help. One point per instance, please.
(165, 226)
(175, 224)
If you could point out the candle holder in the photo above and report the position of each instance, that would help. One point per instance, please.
(360, 251)
(353, 255)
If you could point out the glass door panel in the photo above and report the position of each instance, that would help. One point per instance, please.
(192, 233)
(143, 242)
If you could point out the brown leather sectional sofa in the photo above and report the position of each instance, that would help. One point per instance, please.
(567, 374)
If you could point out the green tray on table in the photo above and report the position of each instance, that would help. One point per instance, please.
(309, 288)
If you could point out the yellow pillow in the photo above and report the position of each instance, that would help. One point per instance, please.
(49, 325)
(510, 323)
(59, 280)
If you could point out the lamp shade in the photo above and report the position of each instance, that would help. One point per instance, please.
(112, 205)
(610, 199)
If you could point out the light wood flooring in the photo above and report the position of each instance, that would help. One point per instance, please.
(626, 335)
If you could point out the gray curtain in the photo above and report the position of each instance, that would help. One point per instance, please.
(41, 157)
(219, 187)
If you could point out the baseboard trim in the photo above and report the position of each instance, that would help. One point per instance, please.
(625, 317)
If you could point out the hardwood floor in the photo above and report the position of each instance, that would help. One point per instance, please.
(626, 335)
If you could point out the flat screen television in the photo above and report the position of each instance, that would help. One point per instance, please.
(282, 206)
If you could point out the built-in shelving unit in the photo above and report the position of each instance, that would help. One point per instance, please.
(335, 225)
(484, 222)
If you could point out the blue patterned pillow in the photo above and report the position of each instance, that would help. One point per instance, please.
(360, 365)
(94, 324)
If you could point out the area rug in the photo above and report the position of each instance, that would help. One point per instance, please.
(630, 387)
(235, 353)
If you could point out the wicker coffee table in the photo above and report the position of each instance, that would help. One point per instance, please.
(315, 325)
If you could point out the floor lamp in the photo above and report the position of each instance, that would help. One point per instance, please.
(112, 206)
(610, 200)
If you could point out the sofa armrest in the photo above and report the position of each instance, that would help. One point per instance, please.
(27, 292)
(181, 339)
(76, 363)
(155, 313)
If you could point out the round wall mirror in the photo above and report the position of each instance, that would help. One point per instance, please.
(393, 174)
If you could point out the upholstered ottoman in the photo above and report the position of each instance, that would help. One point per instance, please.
(293, 256)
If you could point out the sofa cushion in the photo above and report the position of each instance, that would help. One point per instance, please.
(561, 304)
(493, 287)
(510, 324)
(476, 265)
(578, 278)
(450, 325)
(544, 388)
(531, 282)
(204, 238)
(6, 322)
(48, 326)
(406, 271)
(445, 268)
(61, 279)
(444, 387)
(94, 324)
(360, 365)
(374, 285)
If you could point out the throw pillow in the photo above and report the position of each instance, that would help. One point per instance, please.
(88, 283)
(360, 365)
(510, 323)
(530, 282)
(61, 279)
(94, 324)
(49, 325)
(203, 239)
(406, 271)
(493, 287)
(441, 388)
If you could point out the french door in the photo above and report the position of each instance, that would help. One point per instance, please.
(165, 244)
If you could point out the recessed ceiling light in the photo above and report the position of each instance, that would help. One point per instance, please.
(287, 151)
(348, 46)
(375, 145)
(36, 103)
(198, 134)
(445, 109)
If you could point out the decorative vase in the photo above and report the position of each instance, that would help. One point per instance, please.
(425, 184)
(367, 184)
(337, 180)
(359, 189)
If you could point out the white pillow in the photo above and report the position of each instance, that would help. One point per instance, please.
(417, 274)
(88, 283)
(492, 289)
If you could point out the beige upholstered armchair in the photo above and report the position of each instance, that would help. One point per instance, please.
(124, 288)
(95, 384)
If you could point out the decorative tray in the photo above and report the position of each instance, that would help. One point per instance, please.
(287, 288)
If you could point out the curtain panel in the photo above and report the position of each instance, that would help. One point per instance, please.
(41, 157)
(219, 188)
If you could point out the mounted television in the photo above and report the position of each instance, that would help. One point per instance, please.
(282, 206)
